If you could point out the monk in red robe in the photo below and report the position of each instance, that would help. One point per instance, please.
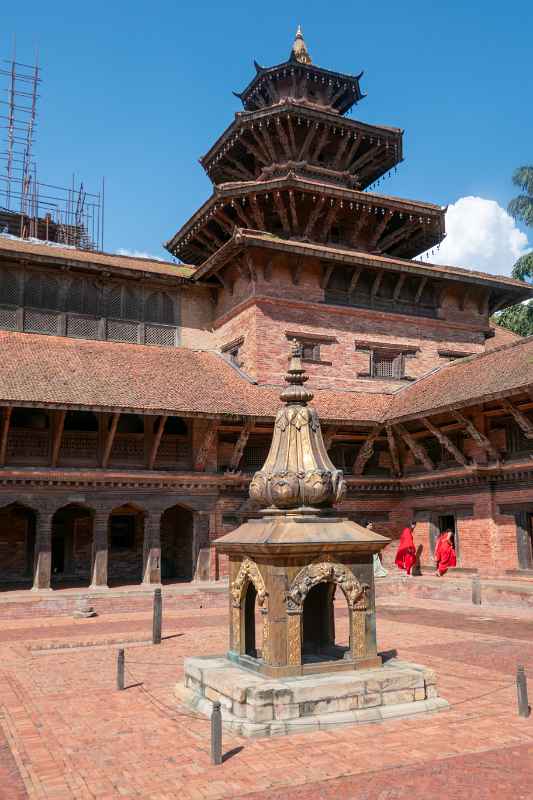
(445, 553)
(406, 555)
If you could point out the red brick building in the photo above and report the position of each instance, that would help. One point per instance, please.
(138, 396)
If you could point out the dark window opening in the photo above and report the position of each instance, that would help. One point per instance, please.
(250, 647)
(82, 297)
(176, 426)
(387, 365)
(517, 442)
(30, 419)
(129, 423)
(123, 302)
(255, 455)
(80, 421)
(444, 522)
(438, 453)
(310, 351)
(344, 455)
(122, 532)
(159, 308)
(42, 291)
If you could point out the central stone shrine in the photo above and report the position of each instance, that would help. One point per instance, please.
(288, 565)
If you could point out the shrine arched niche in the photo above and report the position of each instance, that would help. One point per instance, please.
(311, 615)
(249, 607)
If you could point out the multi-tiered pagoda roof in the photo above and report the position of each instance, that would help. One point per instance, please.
(293, 166)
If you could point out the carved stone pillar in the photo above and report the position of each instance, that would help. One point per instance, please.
(100, 549)
(42, 565)
(152, 548)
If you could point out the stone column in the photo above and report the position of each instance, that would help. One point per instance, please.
(42, 564)
(200, 546)
(100, 549)
(152, 548)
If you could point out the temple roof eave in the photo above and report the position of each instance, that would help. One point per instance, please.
(293, 64)
(243, 118)
(243, 188)
(243, 238)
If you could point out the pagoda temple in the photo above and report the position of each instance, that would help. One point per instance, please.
(138, 397)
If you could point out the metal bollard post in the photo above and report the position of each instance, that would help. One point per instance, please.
(216, 734)
(521, 691)
(120, 669)
(158, 617)
(476, 590)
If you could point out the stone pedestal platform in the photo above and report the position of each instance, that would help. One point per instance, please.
(254, 705)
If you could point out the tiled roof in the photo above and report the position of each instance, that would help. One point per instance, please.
(501, 336)
(106, 376)
(486, 376)
(41, 251)
(63, 372)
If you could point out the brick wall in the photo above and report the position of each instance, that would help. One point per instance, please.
(196, 311)
(344, 334)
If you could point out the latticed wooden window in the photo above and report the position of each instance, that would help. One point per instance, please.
(131, 303)
(387, 365)
(42, 291)
(254, 456)
(159, 308)
(310, 351)
(82, 297)
(517, 442)
(9, 288)
(123, 302)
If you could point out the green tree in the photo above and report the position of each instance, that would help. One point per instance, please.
(519, 318)
(521, 207)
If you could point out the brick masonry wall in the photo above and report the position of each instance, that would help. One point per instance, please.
(347, 356)
(241, 326)
(196, 313)
(265, 308)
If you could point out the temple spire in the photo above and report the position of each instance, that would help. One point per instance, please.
(299, 50)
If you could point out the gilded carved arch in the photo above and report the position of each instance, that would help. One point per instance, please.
(248, 571)
(356, 593)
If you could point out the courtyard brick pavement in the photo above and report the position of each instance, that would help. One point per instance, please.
(65, 732)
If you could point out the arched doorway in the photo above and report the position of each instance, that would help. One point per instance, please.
(126, 538)
(72, 538)
(17, 544)
(177, 540)
(253, 623)
(320, 615)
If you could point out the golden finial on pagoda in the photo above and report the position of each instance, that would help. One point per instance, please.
(299, 50)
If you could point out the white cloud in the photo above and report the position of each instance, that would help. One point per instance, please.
(480, 235)
(122, 251)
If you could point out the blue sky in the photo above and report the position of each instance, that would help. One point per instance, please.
(137, 92)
